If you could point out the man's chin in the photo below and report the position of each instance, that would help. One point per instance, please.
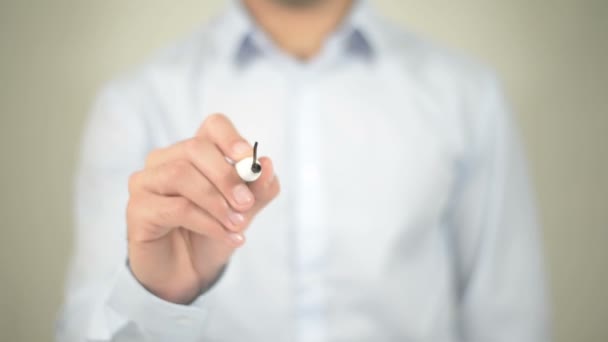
(299, 3)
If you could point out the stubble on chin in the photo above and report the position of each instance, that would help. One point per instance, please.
(299, 3)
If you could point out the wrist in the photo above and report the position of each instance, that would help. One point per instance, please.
(178, 293)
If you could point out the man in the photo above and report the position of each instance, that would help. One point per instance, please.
(404, 214)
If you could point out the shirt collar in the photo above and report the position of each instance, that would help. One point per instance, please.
(242, 41)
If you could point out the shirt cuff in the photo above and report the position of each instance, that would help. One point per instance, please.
(156, 318)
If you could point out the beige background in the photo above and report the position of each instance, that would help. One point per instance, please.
(552, 55)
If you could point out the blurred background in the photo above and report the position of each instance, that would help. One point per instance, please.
(54, 55)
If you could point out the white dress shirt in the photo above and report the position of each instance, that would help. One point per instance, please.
(405, 212)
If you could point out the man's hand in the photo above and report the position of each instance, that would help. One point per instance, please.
(188, 209)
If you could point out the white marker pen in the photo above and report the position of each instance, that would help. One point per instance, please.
(249, 169)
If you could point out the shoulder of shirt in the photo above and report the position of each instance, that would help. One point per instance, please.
(434, 63)
(170, 63)
(459, 87)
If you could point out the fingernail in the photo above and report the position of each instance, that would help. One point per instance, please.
(236, 218)
(241, 148)
(242, 194)
(236, 238)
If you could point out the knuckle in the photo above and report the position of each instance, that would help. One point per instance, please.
(214, 119)
(181, 207)
(152, 157)
(172, 211)
(143, 221)
(134, 213)
(133, 219)
(176, 170)
(193, 147)
(133, 182)
(131, 209)
(137, 233)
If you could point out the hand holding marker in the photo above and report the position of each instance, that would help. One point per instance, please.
(188, 209)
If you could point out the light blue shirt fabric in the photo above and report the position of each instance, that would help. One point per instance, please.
(405, 212)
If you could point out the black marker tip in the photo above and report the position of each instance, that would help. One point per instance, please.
(255, 166)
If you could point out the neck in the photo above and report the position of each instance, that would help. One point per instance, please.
(298, 30)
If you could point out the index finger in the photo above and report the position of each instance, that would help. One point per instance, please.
(218, 129)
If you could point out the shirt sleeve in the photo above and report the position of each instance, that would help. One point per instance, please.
(501, 284)
(103, 301)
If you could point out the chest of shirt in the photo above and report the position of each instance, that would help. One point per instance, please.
(365, 172)
(357, 140)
